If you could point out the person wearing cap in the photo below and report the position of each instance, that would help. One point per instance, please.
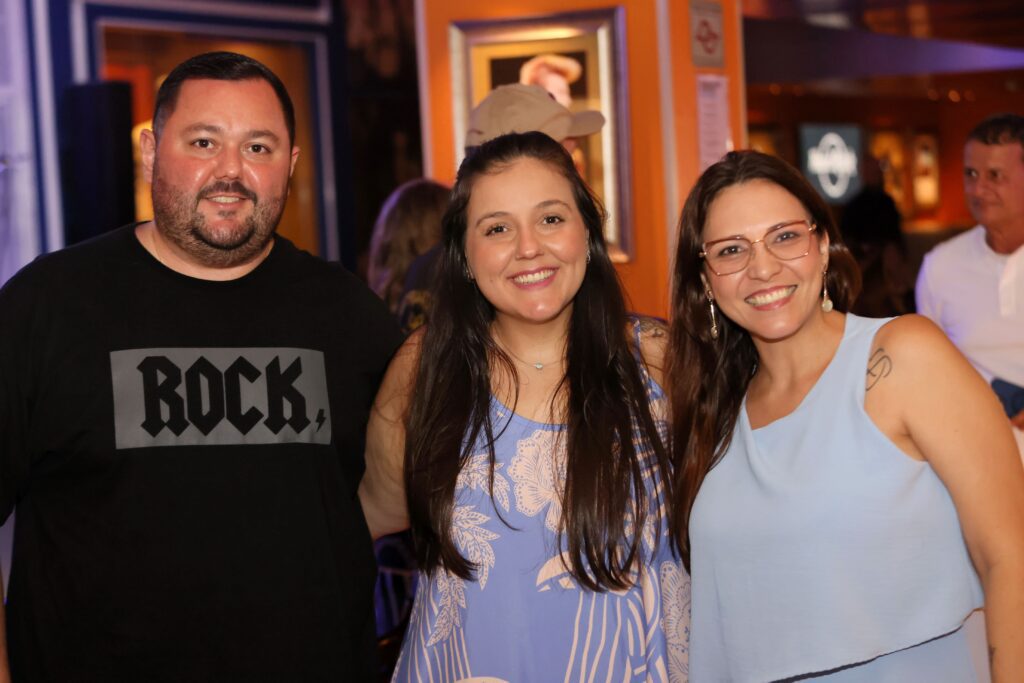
(519, 108)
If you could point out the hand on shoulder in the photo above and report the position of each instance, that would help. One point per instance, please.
(652, 334)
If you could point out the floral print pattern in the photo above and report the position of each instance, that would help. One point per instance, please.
(526, 619)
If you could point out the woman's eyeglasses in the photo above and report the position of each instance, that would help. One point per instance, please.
(786, 241)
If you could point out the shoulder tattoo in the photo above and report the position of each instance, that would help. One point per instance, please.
(879, 367)
(651, 327)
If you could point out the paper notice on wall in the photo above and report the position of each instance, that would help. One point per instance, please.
(714, 133)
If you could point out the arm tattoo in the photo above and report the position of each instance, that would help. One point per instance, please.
(879, 366)
(652, 327)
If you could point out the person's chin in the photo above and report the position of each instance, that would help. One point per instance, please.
(226, 238)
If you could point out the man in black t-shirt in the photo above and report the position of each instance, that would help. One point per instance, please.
(182, 413)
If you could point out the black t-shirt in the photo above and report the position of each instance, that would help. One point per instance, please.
(184, 456)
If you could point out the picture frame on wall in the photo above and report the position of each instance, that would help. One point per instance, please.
(889, 148)
(925, 169)
(587, 50)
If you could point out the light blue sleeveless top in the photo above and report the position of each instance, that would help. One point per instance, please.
(818, 544)
(524, 618)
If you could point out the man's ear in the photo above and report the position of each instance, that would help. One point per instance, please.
(147, 145)
(295, 160)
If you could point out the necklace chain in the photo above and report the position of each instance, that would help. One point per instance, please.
(534, 364)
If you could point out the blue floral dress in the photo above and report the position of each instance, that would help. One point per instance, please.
(524, 618)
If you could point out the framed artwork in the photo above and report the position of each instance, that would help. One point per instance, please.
(584, 59)
(890, 149)
(925, 171)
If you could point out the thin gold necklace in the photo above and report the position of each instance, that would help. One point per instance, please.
(536, 365)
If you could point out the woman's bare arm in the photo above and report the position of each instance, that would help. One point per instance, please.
(954, 421)
(382, 490)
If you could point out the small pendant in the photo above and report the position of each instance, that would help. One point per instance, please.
(539, 366)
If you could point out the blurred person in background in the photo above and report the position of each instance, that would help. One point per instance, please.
(870, 226)
(972, 285)
(408, 225)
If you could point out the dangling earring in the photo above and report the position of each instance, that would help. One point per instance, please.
(465, 271)
(588, 254)
(714, 320)
(826, 302)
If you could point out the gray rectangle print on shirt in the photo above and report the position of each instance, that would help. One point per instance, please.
(219, 396)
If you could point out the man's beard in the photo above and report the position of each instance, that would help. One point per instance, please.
(179, 220)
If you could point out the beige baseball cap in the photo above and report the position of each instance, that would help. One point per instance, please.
(521, 108)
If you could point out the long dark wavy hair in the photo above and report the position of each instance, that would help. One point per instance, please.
(604, 503)
(707, 378)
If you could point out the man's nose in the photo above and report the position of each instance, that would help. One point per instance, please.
(229, 163)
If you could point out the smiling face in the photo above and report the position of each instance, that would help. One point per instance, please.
(994, 185)
(526, 243)
(220, 171)
(771, 298)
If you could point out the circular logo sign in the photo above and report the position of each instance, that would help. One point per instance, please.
(833, 163)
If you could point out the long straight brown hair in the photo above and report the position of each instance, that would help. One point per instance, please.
(605, 503)
(708, 378)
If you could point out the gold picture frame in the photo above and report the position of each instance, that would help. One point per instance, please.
(486, 54)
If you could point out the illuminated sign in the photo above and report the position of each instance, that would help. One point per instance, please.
(829, 157)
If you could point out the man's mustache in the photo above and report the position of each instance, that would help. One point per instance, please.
(223, 187)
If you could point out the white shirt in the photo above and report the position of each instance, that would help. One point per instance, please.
(977, 297)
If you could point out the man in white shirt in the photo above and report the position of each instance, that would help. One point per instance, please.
(972, 286)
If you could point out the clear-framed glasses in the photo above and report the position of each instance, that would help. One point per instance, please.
(785, 241)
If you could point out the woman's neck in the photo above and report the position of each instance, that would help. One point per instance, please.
(783, 363)
(533, 344)
(537, 353)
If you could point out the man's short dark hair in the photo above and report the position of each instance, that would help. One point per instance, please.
(219, 66)
(1000, 129)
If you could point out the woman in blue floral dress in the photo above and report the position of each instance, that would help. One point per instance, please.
(522, 436)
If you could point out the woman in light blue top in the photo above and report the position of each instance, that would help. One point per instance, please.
(521, 433)
(842, 483)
